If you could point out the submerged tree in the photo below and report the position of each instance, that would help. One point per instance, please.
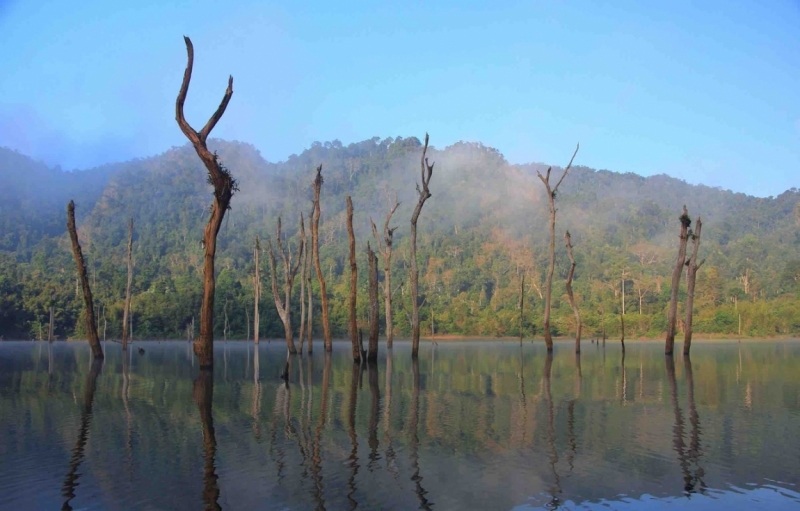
(256, 291)
(551, 197)
(575, 310)
(691, 276)
(672, 312)
(91, 324)
(353, 324)
(310, 291)
(284, 306)
(372, 354)
(303, 265)
(424, 194)
(224, 187)
(127, 308)
(385, 248)
(323, 293)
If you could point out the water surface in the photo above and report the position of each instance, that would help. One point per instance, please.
(478, 425)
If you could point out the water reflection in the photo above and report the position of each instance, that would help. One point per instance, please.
(555, 486)
(414, 441)
(203, 397)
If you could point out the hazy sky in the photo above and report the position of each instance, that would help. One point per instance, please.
(706, 91)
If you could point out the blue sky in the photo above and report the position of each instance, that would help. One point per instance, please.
(704, 91)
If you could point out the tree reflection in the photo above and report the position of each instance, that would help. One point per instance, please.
(351, 423)
(555, 490)
(391, 455)
(316, 459)
(414, 443)
(374, 408)
(695, 448)
(71, 479)
(203, 396)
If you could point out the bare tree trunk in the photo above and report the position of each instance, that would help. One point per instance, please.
(127, 308)
(385, 248)
(224, 188)
(676, 280)
(568, 241)
(52, 324)
(91, 324)
(424, 194)
(691, 277)
(521, 306)
(603, 321)
(289, 273)
(372, 354)
(326, 326)
(256, 292)
(303, 260)
(548, 290)
(310, 290)
(353, 283)
(622, 327)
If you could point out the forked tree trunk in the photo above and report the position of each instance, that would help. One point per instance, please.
(289, 273)
(548, 290)
(256, 291)
(575, 310)
(424, 194)
(91, 324)
(672, 312)
(691, 277)
(127, 308)
(372, 354)
(353, 325)
(386, 251)
(224, 188)
(323, 293)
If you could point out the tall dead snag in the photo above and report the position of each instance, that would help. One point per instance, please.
(353, 283)
(424, 194)
(310, 326)
(256, 291)
(551, 197)
(672, 312)
(521, 305)
(127, 309)
(323, 292)
(372, 354)
(691, 276)
(224, 187)
(385, 248)
(91, 324)
(289, 272)
(303, 260)
(568, 241)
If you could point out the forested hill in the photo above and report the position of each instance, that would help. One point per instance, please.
(484, 227)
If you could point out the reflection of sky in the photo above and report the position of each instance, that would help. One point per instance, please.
(613, 442)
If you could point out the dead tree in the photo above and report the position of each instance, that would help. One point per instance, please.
(424, 194)
(310, 326)
(323, 293)
(127, 308)
(353, 283)
(691, 276)
(289, 272)
(622, 330)
(672, 312)
(303, 260)
(224, 187)
(91, 324)
(568, 241)
(521, 305)
(551, 197)
(256, 291)
(385, 248)
(372, 354)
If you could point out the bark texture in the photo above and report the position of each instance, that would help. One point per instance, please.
(256, 291)
(385, 248)
(691, 277)
(353, 324)
(127, 308)
(323, 292)
(372, 353)
(672, 312)
(303, 261)
(224, 187)
(570, 294)
(91, 323)
(284, 306)
(548, 291)
(424, 194)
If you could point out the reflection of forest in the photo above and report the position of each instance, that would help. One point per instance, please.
(485, 426)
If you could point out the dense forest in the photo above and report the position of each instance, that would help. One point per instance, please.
(483, 231)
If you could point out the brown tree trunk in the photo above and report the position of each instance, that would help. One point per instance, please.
(353, 324)
(521, 306)
(289, 273)
(622, 328)
(372, 354)
(91, 324)
(127, 308)
(424, 194)
(386, 250)
(548, 291)
(304, 250)
(309, 289)
(672, 312)
(691, 277)
(224, 188)
(256, 292)
(323, 293)
(568, 241)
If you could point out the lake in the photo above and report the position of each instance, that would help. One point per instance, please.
(472, 425)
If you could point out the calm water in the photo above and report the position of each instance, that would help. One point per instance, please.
(472, 426)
